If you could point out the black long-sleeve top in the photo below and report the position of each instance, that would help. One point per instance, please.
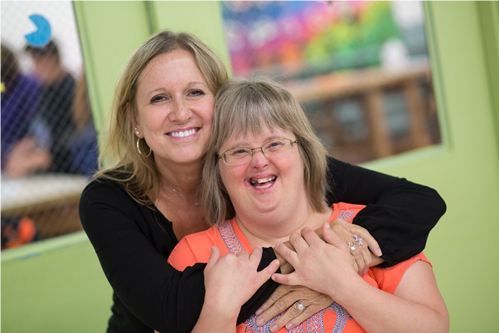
(133, 243)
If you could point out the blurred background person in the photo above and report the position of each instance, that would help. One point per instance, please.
(54, 122)
(20, 105)
(20, 98)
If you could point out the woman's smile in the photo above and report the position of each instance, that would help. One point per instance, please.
(183, 133)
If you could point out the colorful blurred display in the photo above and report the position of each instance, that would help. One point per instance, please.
(359, 68)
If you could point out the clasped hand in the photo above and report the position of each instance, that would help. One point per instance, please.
(285, 296)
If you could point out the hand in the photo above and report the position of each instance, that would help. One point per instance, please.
(26, 157)
(348, 231)
(320, 265)
(284, 298)
(231, 280)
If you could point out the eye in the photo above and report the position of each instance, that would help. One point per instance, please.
(274, 145)
(158, 99)
(239, 152)
(196, 92)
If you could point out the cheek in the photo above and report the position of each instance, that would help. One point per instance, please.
(208, 110)
(293, 166)
(231, 178)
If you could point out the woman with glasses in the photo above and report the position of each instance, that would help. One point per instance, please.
(146, 200)
(264, 179)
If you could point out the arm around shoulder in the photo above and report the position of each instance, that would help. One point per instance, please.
(399, 214)
(123, 234)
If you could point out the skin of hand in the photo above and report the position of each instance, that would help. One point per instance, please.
(363, 257)
(284, 296)
(26, 157)
(230, 281)
(312, 260)
(417, 295)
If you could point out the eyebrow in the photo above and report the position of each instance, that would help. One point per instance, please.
(161, 89)
(246, 145)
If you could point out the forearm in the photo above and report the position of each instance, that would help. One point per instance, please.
(399, 214)
(214, 319)
(416, 304)
(378, 311)
(148, 289)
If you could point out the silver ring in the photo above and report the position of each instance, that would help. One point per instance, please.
(299, 306)
(351, 246)
(358, 240)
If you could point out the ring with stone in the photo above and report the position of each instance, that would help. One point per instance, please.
(299, 306)
(351, 246)
(358, 240)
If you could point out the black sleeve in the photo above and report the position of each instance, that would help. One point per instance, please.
(399, 214)
(158, 295)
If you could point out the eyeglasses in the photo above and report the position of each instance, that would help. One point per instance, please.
(243, 155)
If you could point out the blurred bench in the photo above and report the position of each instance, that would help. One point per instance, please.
(50, 200)
(369, 86)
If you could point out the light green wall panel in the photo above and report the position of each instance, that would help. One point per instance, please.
(464, 169)
(54, 286)
(489, 18)
(109, 33)
(202, 18)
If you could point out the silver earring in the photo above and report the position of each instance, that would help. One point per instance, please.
(138, 149)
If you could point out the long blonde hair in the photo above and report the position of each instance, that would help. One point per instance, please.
(138, 173)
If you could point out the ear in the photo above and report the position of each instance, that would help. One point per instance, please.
(136, 127)
(137, 131)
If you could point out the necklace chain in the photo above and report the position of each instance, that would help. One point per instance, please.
(181, 195)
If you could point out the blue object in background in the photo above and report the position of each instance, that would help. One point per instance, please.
(43, 31)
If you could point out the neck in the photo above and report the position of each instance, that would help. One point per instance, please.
(183, 179)
(268, 229)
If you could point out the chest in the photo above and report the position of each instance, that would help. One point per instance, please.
(186, 218)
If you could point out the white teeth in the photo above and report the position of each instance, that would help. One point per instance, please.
(183, 133)
(263, 181)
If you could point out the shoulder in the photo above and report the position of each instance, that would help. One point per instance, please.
(103, 193)
(102, 186)
(195, 248)
(346, 211)
(389, 278)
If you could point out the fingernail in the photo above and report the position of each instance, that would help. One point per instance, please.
(258, 312)
(260, 321)
(273, 328)
(289, 326)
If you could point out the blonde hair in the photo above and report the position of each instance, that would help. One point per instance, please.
(138, 173)
(248, 106)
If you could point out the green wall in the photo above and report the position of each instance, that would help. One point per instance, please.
(56, 285)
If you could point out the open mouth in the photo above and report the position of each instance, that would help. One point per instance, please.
(183, 134)
(262, 182)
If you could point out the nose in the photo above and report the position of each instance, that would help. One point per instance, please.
(180, 112)
(258, 159)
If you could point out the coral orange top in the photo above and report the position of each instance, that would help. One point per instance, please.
(228, 238)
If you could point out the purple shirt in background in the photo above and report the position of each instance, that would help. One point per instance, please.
(20, 104)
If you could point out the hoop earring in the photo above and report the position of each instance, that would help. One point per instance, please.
(138, 148)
